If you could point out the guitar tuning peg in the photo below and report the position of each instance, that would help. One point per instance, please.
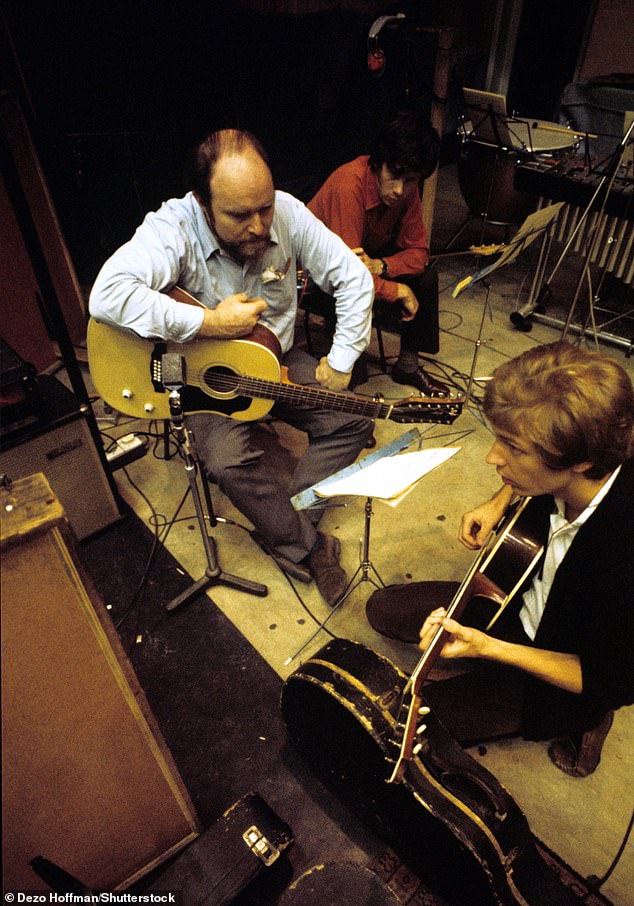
(424, 710)
(417, 748)
(421, 729)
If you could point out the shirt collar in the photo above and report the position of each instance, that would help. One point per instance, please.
(594, 503)
(372, 197)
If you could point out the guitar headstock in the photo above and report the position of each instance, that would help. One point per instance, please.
(427, 409)
(486, 249)
(409, 734)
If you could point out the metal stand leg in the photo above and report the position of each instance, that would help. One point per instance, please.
(213, 573)
(365, 565)
(478, 343)
(363, 574)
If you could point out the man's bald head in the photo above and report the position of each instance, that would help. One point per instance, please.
(224, 143)
(236, 192)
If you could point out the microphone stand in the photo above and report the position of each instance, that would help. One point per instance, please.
(173, 380)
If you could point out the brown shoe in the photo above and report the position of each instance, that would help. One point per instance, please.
(582, 760)
(323, 563)
(424, 382)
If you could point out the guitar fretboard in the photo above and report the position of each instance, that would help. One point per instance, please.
(297, 396)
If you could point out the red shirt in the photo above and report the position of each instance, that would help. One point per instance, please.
(350, 205)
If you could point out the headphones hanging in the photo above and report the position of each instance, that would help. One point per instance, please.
(376, 57)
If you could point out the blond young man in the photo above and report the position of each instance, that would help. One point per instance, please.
(559, 661)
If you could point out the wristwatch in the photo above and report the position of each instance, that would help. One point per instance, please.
(383, 272)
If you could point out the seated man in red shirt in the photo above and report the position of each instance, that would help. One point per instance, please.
(373, 203)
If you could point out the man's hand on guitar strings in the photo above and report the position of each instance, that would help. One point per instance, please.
(235, 316)
(462, 641)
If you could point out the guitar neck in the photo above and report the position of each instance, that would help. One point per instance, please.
(297, 395)
(465, 592)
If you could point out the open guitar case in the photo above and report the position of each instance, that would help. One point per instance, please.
(449, 820)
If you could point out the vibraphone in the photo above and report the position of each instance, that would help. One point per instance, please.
(613, 248)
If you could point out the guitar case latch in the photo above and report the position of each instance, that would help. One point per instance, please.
(260, 846)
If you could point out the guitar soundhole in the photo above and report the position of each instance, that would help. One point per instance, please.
(221, 380)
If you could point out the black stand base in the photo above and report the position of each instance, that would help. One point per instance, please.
(215, 576)
(173, 367)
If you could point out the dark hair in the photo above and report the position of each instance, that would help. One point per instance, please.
(574, 405)
(207, 154)
(408, 143)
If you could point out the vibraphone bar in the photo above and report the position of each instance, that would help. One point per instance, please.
(613, 249)
(613, 246)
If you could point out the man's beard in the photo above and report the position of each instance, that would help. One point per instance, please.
(243, 250)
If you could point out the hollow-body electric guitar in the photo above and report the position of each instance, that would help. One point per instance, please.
(497, 573)
(239, 378)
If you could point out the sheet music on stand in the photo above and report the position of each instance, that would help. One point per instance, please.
(534, 226)
(389, 478)
(488, 116)
(308, 498)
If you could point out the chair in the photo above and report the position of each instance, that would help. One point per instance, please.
(319, 304)
(315, 302)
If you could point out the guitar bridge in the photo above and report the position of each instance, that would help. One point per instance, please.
(156, 366)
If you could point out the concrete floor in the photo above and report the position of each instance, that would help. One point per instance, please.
(583, 820)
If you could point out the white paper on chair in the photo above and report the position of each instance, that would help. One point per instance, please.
(388, 478)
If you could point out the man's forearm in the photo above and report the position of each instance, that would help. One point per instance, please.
(554, 667)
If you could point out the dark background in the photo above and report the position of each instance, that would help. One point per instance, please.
(116, 93)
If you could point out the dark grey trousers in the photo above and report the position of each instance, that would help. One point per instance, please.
(235, 461)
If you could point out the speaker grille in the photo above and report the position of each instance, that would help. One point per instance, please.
(68, 458)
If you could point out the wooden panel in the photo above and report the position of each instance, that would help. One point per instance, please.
(444, 37)
(44, 216)
(87, 779)
(23, 327)
(611, 39)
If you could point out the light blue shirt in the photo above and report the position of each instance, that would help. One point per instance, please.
(175, 245)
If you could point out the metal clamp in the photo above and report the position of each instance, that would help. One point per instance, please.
(260, 846)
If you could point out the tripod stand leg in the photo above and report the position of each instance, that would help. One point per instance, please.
(213, 574)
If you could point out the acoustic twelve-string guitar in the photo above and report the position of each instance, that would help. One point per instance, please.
(239, 378)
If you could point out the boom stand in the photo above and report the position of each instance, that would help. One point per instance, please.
(213, 574)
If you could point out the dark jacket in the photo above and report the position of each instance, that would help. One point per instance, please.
(590, 613)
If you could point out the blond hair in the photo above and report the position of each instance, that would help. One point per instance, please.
(575, 406)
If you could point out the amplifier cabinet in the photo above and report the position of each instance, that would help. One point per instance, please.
(59, 444)
(88, 782)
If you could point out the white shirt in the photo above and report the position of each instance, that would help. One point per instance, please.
(175, 245)
(560, 537)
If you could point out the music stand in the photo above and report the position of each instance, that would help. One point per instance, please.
(173, 380)
(483, 163)
(488, 116)
(535, 226)
(361, 480)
